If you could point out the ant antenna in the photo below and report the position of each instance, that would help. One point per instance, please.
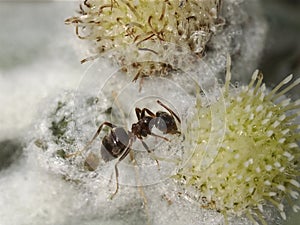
(170, 111)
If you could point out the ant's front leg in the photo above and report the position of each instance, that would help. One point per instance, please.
(141, 113)
(156, 135)
(93, 139)
(138, 113)
(150, 113)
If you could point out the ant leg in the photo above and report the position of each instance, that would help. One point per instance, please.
(93, 139)
(138, 113)
(125, 153)
(141, 113)
(117, 181)
(155, 135)
(150, 113)
(151, 153)
(170, 111)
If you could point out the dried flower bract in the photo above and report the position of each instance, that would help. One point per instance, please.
(115, 24)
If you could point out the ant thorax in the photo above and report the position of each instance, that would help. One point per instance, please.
(143, 127)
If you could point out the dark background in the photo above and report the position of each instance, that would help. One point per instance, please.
(281, 55)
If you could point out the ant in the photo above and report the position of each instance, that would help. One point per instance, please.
(119, 141)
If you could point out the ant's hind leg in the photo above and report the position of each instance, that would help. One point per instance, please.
(117, 181)
(125, 153)
(93, 139)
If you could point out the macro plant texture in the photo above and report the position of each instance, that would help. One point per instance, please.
(232, 157)
(131, 31)
(118, 23)
(115, 24)
(248, 177)
(257, 163)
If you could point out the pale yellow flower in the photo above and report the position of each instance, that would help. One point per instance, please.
(258, 160)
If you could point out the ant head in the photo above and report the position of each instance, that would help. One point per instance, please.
(165, 122)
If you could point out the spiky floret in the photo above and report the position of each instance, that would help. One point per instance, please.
(258, 160)
(114, 24)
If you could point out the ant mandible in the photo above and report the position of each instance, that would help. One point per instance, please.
(119, 141)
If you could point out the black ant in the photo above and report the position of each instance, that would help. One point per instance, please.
(119, 141)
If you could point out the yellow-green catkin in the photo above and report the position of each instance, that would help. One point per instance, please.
(258, 161)
(115, 24)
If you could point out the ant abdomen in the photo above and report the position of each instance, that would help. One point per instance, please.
(114, 144)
